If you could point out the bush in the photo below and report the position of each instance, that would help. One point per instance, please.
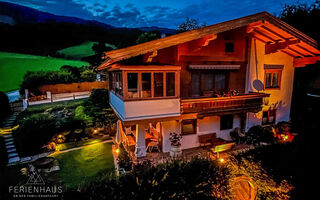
(100, 97)
(124, 160)
(81, 115)
(34, 132)
(257, 134)
(66, 74)
(197, 179)
(4, 105)
(89, 76)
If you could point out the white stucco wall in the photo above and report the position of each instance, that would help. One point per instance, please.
(204, 126)
(145, 109)
(280, 99)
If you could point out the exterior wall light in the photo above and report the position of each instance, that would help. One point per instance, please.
(265, 101)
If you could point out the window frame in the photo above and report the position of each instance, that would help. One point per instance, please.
(201, 74)
(272, 71)
(152, 72)
(189, 121)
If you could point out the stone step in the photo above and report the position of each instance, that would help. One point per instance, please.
(14, 159)
(10, 146)
(9, 142)
(8, 139)
(9, 135)
(12, 150)
(11, 155)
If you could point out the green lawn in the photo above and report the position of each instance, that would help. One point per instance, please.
(81, 50)
(13, 67)
(81, 166)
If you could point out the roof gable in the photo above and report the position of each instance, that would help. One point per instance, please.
(151, 46)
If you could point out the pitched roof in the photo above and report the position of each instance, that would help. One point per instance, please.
(147, 47)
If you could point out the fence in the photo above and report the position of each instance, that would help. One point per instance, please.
(50, 98)
(73, 87)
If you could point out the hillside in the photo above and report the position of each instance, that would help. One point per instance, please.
(81, 50)
(13, 66)
(29, 31)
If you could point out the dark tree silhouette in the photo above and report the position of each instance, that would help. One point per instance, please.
(190, 24)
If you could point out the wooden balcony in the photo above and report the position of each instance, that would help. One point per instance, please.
(251, 102)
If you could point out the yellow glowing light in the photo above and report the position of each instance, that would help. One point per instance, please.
(95, 131)
(221, 160)
(117, 151)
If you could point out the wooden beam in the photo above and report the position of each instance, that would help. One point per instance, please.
(306, 50)
(288, 53)
(302, 62)
(296, 52)
(283, 38)
(259, 37)
(152, 55)
(205, 41)
(265, 35)
(273, 48)
(251, 27)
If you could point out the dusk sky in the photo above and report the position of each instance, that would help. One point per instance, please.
(164, 13)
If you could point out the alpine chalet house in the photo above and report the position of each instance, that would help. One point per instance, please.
(206, 82)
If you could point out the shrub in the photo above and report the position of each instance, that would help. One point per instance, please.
(100, 97)
(124, 160)
(4, 105)
(197, 179)
(88, 75)
(81, 115)
(34, 132)
(257, 134)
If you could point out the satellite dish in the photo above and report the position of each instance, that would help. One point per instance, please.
(258, 85)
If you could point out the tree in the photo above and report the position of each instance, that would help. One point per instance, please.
(100, 47)
(303, 17)
(147, 36)
(189, 24)
(73, 70)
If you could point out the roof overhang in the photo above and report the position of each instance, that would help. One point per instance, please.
(276, 34)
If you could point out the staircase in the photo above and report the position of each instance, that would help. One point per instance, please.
(6, 133)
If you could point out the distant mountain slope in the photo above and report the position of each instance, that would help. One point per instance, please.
(22, 14)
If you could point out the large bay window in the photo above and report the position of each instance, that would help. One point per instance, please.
(149, 84)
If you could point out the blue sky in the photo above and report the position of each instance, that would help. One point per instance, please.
(161, 13)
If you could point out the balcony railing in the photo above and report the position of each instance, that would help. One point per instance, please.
(245, 102)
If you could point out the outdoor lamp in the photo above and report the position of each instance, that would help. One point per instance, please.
(265, 100)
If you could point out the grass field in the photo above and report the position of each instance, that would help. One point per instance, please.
(81, 50)
(13, 67)
(81, 166)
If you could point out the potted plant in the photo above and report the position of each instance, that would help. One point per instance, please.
(175, 139)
